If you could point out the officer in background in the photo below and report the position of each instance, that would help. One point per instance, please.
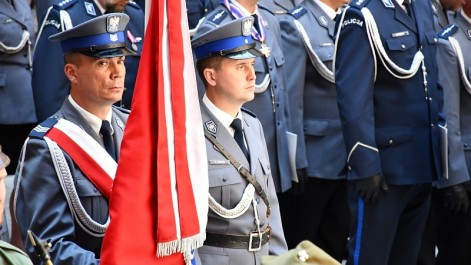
(452, 213)
(320, 214)
(280, 7)
(198, 9)
(17, 112)
(389, 102)
(63, 185)
(49, 83)
(244, 220)
(269, 104)
(444, 13)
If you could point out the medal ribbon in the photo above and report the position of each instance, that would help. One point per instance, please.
(238, 13)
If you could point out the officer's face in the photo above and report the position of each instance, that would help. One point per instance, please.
(451, 4)
(466, 7)
(112, 6)
(232, 83)
(96, 81)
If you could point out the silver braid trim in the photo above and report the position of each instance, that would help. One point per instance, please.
(237, 211)
(14, 49)
(64, 175)
(459, 54)
(373, 36)
(316, 61)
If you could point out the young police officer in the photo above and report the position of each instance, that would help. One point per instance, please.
(244, 219)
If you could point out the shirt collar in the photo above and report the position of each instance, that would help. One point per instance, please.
(224, 118)
(93, 120)
(400, 2)
(102, 9)
(331, 13)
(245, 11)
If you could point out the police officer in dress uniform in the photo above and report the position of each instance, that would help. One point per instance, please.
(63, 183)
(444, 13)
(389, 102)
(17, 112)
(244, 220)
(321, 210)
(452, 213)
(269, 104)
(49, 83)
(280, 7)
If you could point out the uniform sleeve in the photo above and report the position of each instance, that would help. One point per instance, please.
(42, 208)
(354, 76)
(295, 63)
(450, 80)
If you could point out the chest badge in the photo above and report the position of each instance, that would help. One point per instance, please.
(211, 126)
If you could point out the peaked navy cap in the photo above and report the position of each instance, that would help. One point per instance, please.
(100, 37)
(232, 40)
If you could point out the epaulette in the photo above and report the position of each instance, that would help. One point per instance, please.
(359, 3)
(218, 17)
(261, 6)
(447, 31)
(64, 4)
(123, 110)
(248, 112)
(41, 129)
(297, 12)
(133, 4)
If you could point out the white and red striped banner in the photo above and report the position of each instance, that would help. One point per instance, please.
(159, 200)
(87, 153)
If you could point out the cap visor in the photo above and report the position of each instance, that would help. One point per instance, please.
(109, 53)
(247, 54)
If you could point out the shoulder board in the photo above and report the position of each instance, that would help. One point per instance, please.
(41, 129)
(133, 4)
(297, 12)
(448, 31)
(261, 6)
(359, 3)
(64, 4)
(248, 112)
(123, 110)
(218, 16)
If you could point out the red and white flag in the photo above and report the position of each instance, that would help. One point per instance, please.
(158, 204)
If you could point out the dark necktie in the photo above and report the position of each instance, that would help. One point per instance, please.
(239, 136)
(105, 131)
(11, 3)
(406, 4)
(255, 23)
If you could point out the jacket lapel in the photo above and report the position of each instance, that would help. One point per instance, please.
(405, 19)
(253, 145)
(17, 15)
(212, 125)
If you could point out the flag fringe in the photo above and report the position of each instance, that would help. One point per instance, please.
(185, 245)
